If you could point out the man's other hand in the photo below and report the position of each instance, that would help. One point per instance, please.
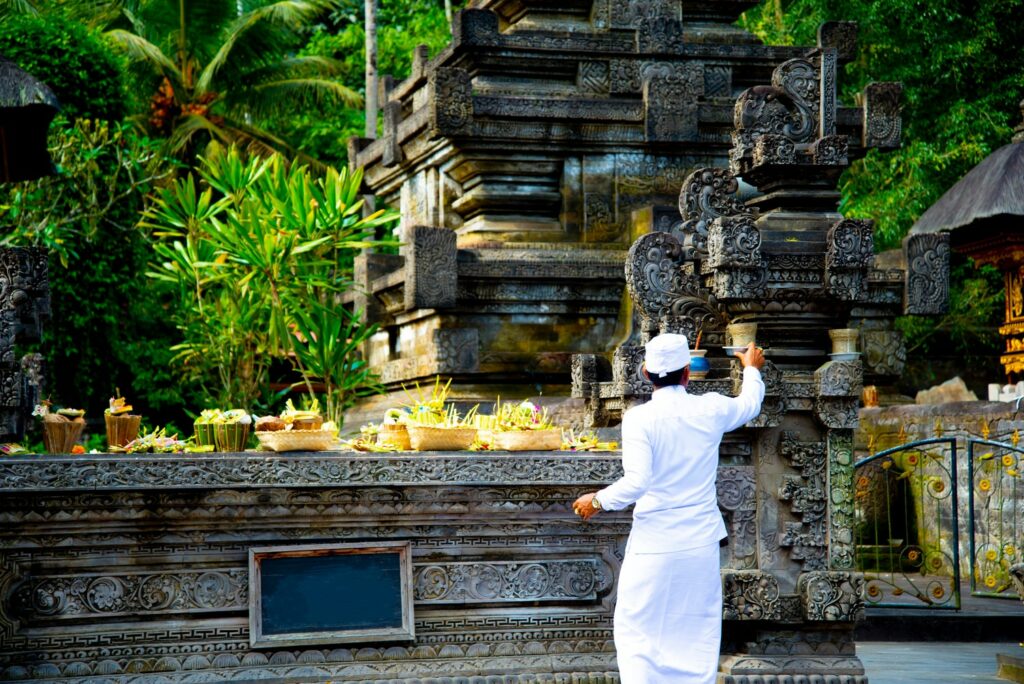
(584, 506)
(751, 356)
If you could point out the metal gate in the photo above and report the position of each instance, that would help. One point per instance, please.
(907, 532)
(911, 503)
(995, 517)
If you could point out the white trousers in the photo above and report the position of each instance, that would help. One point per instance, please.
(668, 617)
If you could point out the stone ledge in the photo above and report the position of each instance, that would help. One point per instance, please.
(302, 469)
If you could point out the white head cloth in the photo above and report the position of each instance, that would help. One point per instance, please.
(666, 353)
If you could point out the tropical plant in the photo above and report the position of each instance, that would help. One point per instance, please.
(256, 252)
(223, 67)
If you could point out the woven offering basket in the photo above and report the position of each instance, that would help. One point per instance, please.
(296, 440)
(424, 438)
(230, 436)
(395, 435)
(528, 440)
(60, 438)
(121, 429)
(204, 434)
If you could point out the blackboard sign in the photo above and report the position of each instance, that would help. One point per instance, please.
(338, 593)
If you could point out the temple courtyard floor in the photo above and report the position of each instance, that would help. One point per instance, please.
(905, 662)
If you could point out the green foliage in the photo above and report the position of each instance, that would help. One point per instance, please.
(401, 26)
(103, 171)
(224, 68)
(255, 251)
(108, 328)
(74, 61)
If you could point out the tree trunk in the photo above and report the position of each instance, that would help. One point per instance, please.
(448, 11)
(371, 68)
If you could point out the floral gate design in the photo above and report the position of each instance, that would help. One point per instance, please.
(996, 514)
(907, 525)
(908, 520)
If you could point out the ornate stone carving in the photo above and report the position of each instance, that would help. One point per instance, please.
(707, 194)
(239, 470)
(832, 150)
(670, 102)
(927, 284)
(584, 376)
(658, 285)
(456, 350)
(541, 580)
(885, 352)
(737, 497)
(837, 412)
(735, 242)
(130, 594)
(848, 256)
(807, 539)
(841, 492)
(593, 77)
(451, 99)
(839, 379)
(476, 27)
(882, 122)
(750, 595)
(832, 596)
(431, 268)
(627, 376)
(658, 34)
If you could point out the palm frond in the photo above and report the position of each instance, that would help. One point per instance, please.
(319, 90)
(287, 13)
(140, 49)
(192, 125)
(12, 8)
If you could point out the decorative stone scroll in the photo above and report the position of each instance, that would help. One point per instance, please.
(832, 596)
(737, 498)
(750, 595)
(848, 256)
(837, 412)
(431, 268)
(927, 284)
(707, 194)
(659, 287)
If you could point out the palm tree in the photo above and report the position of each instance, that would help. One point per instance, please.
(226, 65)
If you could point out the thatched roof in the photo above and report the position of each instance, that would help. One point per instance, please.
(992, 189)
(990, 193)
(18, 88)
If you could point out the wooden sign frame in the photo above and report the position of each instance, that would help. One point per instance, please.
(257, 637)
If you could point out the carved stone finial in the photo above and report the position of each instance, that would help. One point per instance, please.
(841, 35)
(707, 194)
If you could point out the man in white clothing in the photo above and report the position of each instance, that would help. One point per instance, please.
(668, 615)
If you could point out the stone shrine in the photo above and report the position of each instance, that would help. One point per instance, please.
(529, 154)
(788, 263)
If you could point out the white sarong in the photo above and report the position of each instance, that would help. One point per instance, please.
(668, 617)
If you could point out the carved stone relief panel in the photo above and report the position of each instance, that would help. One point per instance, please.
(431, 268)
(832, 596)
(737, 497)
(885, 352)
(882, 122)
(707, 194)
(671, 102)
(927, 284)
(841, 503)
(806, 494)
(750, 595)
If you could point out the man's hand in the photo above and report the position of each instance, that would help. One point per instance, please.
(584, 506)
(752, 356)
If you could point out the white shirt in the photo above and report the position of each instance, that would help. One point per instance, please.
(670, 458)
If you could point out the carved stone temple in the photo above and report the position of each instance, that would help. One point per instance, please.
(574, 176)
